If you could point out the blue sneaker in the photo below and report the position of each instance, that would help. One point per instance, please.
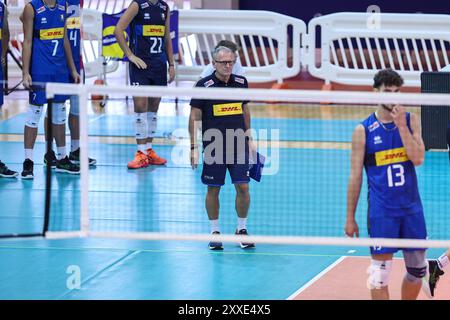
(215, 245)
(243, 244)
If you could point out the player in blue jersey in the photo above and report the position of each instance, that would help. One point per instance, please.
(149, 52)
(4, 40)
(388, 144)
(46, 58)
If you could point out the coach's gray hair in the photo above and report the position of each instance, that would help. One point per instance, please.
(221, 49)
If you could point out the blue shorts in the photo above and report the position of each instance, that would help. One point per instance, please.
(156, 76)
(406, 223)
(214, 174)
(37, 95)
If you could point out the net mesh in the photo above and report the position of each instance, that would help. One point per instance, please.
(303, 189)
(300, 199)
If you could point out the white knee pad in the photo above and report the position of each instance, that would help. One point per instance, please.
(59, 113)
(379, 272)
(152, 123)
(33, 116)
(74, 105)
(140, 125)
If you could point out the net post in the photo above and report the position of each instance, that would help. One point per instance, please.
(84, 163)
(48, 177)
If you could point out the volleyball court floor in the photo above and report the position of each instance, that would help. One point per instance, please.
(306, 197)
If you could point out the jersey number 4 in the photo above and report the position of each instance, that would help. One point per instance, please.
(396, 172)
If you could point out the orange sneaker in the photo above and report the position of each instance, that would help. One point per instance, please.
(140, 161)
(153, 158)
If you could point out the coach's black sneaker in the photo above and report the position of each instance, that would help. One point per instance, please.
(27, 172)
(74, 157)
(50, 158)
(213, 245)
(6, 173)
(431, 278)
(243, 232)
(64, 165)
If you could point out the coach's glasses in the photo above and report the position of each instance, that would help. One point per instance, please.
(224, 63)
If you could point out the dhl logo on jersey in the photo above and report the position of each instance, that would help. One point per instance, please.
(153, 31)
(73, 23)
(50, 34)
(391, 156)
(227, 109)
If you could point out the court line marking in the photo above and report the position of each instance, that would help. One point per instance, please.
(201, 251)
(317, 277)
(98, 273)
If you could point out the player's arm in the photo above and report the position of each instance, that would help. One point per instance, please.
(5, 37)
(168, 47)
(194, 119)
(28, 18)
(121, 26)
(355, 180)
(69, 57)
(412, 141)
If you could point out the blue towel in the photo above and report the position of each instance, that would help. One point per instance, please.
(257, 168)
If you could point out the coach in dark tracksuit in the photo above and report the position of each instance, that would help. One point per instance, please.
(225, 142)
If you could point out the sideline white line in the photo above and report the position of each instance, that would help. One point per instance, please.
(317, 277)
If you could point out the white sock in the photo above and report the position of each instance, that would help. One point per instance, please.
(242, 223)
(152, 121)
(149, 145)
(214, 225)
(60, 153)
(75, 144)
(29, 154)
(142, 148)
(443, 261)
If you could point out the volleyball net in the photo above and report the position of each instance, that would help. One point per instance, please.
(305, 137)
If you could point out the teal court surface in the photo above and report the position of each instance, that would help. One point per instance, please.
(306, 197)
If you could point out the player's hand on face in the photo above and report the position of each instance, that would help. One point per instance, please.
(194, 158)
(27, 81)
(351, 229)
(399, 116)
(138, 62)
(171, 74)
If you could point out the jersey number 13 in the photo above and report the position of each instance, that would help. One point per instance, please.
(396, 175)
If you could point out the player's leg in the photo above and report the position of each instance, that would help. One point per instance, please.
(157, 79)
(381, 224)
(416, 268)
(379, 273)
(34, 113)
(212, 208)
(74, 125)
(240, 177)
(213, 175)
(140, 123)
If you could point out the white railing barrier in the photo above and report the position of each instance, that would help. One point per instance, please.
(199, 32)
(353, 46)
